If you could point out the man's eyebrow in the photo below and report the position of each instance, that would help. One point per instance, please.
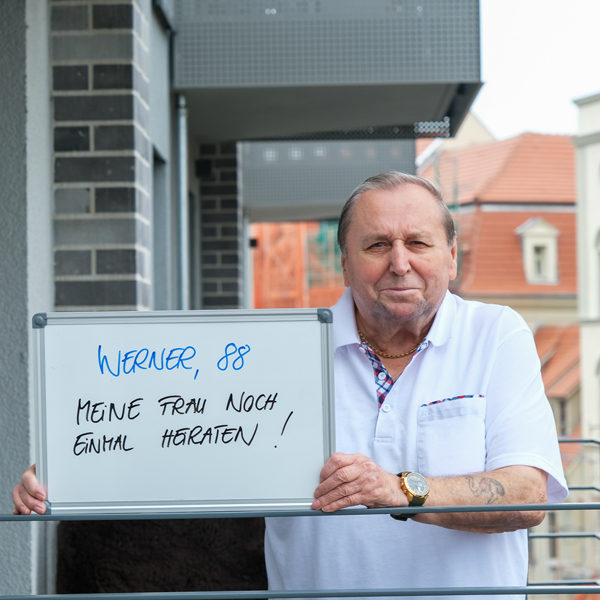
(419, 235)
(382, 236)
(375, 237)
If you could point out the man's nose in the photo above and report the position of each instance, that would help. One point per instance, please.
(399, 259)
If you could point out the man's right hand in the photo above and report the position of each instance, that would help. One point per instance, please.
(29, 495)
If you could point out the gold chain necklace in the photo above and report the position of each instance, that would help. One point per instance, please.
(380, 353)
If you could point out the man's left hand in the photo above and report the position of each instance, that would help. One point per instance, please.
(354, 479)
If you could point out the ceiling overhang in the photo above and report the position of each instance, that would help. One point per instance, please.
(341, 69)
(329, 112)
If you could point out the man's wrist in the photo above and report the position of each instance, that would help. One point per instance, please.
(416, 490)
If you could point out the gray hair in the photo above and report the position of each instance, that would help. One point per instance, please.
(385, 182)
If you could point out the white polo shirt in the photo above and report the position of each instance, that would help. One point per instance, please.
(471, 400)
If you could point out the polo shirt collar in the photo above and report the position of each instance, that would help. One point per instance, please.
(344, 322)
(441, 330)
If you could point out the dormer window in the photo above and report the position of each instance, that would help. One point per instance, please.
(539, 242)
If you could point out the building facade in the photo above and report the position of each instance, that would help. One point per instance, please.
(588, 251)
(514, 204)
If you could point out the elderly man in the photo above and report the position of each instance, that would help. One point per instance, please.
(438, 402)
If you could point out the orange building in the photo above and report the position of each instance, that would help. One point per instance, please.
(296, 265)
(514, 203)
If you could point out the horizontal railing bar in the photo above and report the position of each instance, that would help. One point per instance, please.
(568, 582)
(570, 441)
(357, 593)
(412, 510)
(564, 535)
(583, 487)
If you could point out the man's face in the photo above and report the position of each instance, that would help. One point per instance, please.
(398, 262)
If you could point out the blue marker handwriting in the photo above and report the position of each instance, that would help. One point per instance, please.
(232, 350)
(127, 363)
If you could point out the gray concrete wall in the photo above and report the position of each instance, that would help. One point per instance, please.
(25, 268)
(15, 540)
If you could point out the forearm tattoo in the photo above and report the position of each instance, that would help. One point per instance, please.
(487, 487)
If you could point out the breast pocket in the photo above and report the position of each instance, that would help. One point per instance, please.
(451, 437)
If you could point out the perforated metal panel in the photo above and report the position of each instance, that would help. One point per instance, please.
(312, 180)
(325, 42)
(421, 129)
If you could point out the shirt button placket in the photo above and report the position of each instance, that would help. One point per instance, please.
(386, 422)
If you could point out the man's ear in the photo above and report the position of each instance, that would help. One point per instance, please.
(453, 267)
(344, 272)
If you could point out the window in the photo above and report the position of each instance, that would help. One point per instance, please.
(539, 261)
(562, 423)
(539, 243)
(553, 550)
(597, 274)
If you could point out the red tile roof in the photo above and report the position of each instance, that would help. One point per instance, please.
(526, 170)
(492, 257)
(558, 349)
(530, 168)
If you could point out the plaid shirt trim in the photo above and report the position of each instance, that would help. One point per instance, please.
(385, 384)
(455, 398)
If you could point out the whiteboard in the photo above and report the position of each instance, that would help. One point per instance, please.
(183, 411)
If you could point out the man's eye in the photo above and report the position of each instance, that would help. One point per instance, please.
(377, 245)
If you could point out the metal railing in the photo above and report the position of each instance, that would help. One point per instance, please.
(563, 587)
(571, 587)
(556, 535)
(355, 593)
(407, 510)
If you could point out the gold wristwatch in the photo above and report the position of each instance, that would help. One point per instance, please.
(414, 485)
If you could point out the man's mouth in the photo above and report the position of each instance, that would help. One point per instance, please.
(399, 290)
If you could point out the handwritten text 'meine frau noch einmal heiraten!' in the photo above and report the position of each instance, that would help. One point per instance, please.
(92, 415)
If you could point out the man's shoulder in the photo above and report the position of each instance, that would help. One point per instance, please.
(479, 313)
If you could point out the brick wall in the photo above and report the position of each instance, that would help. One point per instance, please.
(221, 217)
(102, 155)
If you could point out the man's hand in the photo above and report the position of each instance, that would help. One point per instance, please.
(353, 479)
(29, 495)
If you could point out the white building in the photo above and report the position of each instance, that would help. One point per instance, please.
(588, 259)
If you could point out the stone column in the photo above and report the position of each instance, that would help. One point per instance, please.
(221, 217)
(102, 155)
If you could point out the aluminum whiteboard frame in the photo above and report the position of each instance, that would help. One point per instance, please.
(41, 320)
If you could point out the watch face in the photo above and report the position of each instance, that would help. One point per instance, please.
(416, 484)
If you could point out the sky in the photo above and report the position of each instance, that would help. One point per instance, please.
(536, 57)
